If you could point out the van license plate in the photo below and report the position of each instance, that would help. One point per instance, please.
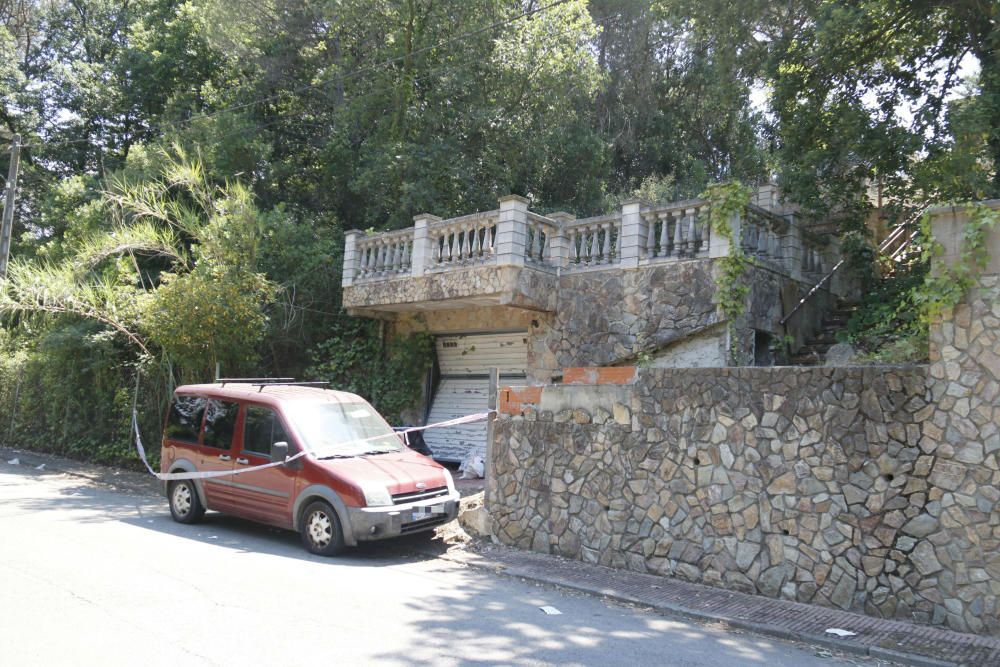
(427, 512)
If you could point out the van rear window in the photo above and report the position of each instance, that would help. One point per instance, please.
(184, 421)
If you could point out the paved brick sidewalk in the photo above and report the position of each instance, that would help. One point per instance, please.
(898, 641)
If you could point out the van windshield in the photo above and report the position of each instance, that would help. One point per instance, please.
(338, 430)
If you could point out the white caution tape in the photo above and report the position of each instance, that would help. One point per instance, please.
(326, 451)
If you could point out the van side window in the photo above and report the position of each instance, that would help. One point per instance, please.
(184, 421)
(220, 423)
(262, 429)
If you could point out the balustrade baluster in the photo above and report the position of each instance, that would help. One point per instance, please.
(595, 244)
(680, 234)
(692, 239)
(618, 240)
(477, 244)
(606, 248)
(651, 236)
(664, 234)
(365, 258)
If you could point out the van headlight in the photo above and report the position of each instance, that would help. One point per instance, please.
(376, 496)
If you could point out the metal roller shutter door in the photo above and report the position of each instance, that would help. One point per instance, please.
(464, 362)
(476, 354)
(457, 397)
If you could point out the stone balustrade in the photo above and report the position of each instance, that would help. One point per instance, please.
(636, 235)
(462, 242)
(541, 232)
(677, 231)
(593, 242)
(384, 255)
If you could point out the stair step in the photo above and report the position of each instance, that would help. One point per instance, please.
(823, 339)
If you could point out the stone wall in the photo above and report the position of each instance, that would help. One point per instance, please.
(486, 284)
(873, 489)
(960, 553)
(605, 317)
(814, 484)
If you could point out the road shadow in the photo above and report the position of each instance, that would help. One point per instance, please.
(85, 502)
(478, 622)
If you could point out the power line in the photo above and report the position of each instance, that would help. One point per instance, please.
(349, 75)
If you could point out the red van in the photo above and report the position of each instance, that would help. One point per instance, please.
(350, 477)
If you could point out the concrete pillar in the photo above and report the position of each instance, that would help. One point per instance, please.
(791, 250)
(559, 245)
(351, 257)
(512, 231)
(718, 245)
(633, 233)
(422, 251)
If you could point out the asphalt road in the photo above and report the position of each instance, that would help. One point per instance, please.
(94, 576)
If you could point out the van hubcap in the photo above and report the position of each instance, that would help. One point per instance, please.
(182, 499)
(320, 531)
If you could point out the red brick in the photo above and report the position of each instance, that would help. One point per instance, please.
(513, 400)
(600, 375)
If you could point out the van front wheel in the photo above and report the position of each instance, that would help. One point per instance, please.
(321, 531)
(185, 506)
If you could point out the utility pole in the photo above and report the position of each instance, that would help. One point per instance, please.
(8, 205)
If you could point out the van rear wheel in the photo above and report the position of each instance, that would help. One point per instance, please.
(185, 506)
(320, 529)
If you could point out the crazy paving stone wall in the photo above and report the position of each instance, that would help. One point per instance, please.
(604, 317)
(957, 553)
(843, 487)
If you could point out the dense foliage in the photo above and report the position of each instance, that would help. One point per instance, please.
(190, 165)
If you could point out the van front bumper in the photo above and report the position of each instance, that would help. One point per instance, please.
(379, 523)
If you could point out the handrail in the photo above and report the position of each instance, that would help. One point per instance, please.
(889, 240)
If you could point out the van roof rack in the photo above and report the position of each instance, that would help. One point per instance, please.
(267, 382)
(310, 383)
(254, 381)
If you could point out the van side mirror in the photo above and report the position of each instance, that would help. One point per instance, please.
(279, 451)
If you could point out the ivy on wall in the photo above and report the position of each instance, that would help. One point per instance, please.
(389, 374)
(893, 320)
(726, 202)
(945, 287)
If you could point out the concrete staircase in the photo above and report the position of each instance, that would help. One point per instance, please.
(813, 353)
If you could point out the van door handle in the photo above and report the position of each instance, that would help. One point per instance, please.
(224, 457)
(243, 461)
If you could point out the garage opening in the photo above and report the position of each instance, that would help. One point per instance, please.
(464, 362)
